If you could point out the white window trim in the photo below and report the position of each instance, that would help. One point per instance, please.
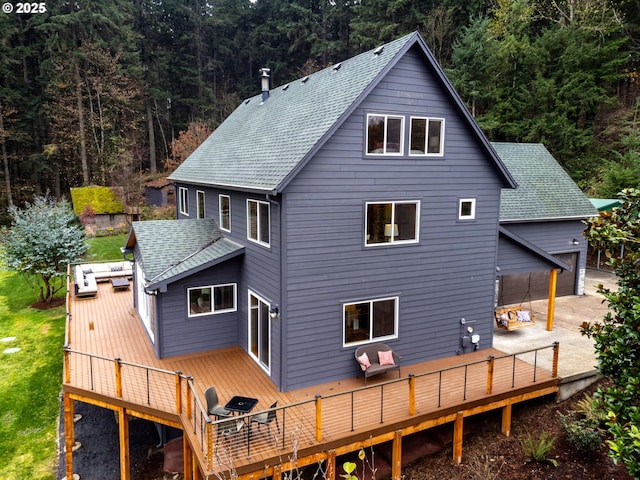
(393, 213)
(183, 200)
(220, 197)
(213, 311)
(258, 224)
(257, 359)
(426, 140)
(385, 153)
(396, 321)
(472, 216)
(200, 214)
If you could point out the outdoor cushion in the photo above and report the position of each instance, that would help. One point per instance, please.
(385, 357)
(364, 361)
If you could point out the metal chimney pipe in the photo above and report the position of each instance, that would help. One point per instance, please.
(265, 83)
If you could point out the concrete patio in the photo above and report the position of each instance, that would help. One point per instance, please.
(577, 365)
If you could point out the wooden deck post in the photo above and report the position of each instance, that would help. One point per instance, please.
(67, 365)
(458, 426)
(556, 354)
(490, 367)
(209, 442)
(69, 436)
(123, 428)
(396, 456)
(118, 367)
(331, 465)
(553, 280)
(506, 420)
(319, 418)
(189, 408)
(178, 392)
(412, 394)
(187, 456)
(197, 474)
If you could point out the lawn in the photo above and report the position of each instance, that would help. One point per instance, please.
(30, 378)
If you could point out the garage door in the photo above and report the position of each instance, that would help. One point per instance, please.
(513, 288)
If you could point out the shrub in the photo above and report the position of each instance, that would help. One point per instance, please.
(582, 433)
(538, 448)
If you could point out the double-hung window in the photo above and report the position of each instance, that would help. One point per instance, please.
(212, 299)
(392, 222)
(371, 320)
(258, 222)
(224, 210)
(183, 200)
(426, 136)
(385, 134)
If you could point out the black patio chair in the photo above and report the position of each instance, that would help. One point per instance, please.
(267, 418)
(213, 406)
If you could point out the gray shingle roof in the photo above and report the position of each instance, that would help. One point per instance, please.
(261, 145)
(545, 190)
(172, 249)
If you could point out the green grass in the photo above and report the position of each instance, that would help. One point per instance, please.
(30, 380)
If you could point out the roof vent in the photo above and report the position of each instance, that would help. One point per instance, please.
(246, 102)
(336, 67)
(265, 83)
(378, 50)
(285, 88)
(305, 79)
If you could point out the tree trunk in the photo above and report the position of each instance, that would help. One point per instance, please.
(81, 125)
(5, 159)
(153, 167)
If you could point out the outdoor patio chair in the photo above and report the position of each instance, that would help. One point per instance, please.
(213, 406)
(231, 430)
(267, 417)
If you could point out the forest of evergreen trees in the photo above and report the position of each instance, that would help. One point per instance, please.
(96, 91)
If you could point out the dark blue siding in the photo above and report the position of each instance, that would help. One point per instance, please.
(449, 275)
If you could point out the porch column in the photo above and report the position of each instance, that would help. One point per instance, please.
(123, 429)
(69, 435)
(553, 280)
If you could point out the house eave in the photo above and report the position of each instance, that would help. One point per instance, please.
(534, 249)
(544, 219)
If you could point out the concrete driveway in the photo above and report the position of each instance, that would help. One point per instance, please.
(577, 360)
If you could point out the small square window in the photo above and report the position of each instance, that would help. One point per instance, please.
(467, 209)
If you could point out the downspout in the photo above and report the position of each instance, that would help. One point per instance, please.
(283, 331)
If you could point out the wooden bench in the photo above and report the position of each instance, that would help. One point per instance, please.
(513, 318)
(374, 367)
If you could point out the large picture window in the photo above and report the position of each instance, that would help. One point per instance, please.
(258, 222)
(212, 299)
(225, 212)
(385, 134)
(391, 222)
(372, 320)
(426, 136)
(183, 198)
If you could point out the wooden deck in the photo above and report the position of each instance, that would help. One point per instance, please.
(313, 422)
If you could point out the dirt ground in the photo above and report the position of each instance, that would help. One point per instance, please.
(488, 455)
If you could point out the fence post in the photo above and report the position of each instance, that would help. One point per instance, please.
(118, 367)
(178, 392)
(490, 374)
(556, 351)
(318, 417)
(412, 394)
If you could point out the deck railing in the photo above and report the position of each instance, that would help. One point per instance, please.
(305, 423)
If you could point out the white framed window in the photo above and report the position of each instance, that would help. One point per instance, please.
(370, 320)
(391, 222)
(212, 299)
(426, 137)
(259, 222)
(183, 194)
(467, 209)
(224, 211)
(385, 134)
(200, 204)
